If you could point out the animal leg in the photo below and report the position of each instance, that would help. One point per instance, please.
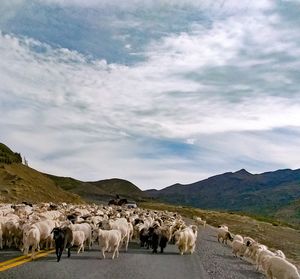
(69, 252)
(60, 250)
(118, 251)
(56, 251)
(26, 250)
(192, 249)
(33, 248)
(115, 248)
(126, 242)
(80, 248)
(269, 274)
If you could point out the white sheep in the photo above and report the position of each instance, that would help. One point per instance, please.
(239, 248)
(253, 249)
(186, 240)
(86, 228)
(31, 238)
(45, 227)
(122, 225)
(224, 235)
(224, 227)
(78, 240)
(248, 240)
(238, 237)
(109, 240)
(280, 268)
(261, 258)
(200, 222)
(264, 255)
(280, 254)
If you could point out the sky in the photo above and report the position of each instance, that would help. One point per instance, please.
(157, 92)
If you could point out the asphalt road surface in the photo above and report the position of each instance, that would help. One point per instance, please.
(211, 260)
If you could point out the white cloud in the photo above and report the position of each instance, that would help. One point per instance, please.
(214, 5)
(86, 118)
(9, 8)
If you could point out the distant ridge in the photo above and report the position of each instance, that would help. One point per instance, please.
(263, 194)
(101, 190)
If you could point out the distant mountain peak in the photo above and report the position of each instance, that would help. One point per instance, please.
(243, 172)
(265, 194)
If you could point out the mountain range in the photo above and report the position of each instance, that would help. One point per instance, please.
(274, 194)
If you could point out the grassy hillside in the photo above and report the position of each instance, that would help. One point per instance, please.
(289, 213)
(101, 190)
(21, 183)
(273, 234)
(119, 186)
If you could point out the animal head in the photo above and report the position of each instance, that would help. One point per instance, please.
(138, 221)
(100, 232)
(194, 228)
(155, 225)
(95, 234)
(176, 237)
(57, 233)
(105, 225)
(229, 236)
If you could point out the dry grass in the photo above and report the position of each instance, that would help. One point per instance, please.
(273, 235)
(20, 183)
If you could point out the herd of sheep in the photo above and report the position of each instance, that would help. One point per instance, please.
(46, 225)
(272, 263)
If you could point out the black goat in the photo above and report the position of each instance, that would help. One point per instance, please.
(53, 207)
(144, 238)
(138, 221)
(63, 239)
(157, 238)
(27, 203)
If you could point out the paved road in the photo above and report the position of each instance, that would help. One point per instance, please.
(211, 260)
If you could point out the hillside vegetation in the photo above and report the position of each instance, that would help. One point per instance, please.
(20, 183)
(7, 156)
(101, 190)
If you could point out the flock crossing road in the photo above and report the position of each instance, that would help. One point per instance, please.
(211, 260)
